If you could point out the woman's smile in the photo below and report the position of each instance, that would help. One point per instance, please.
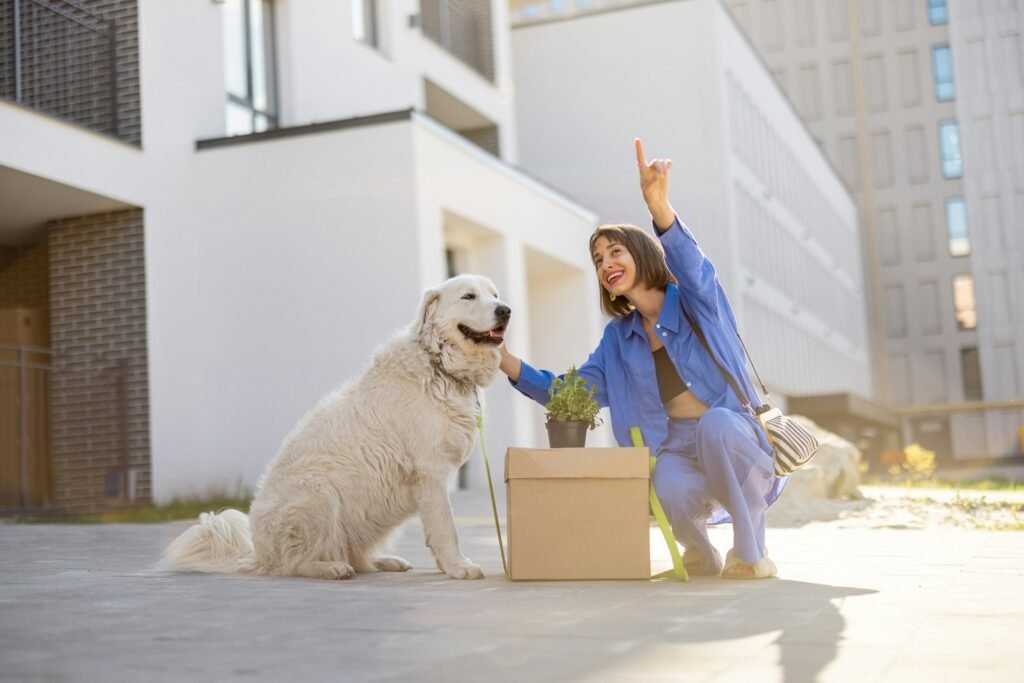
(614, 264)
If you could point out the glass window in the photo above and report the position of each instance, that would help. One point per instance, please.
(963, 302)
(364, 22)
(970, 371)
(956, 227)
(937, 12)
(942, 66)
(249, 73)
(949, 141)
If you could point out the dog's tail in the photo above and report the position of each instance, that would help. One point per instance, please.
(221, 543)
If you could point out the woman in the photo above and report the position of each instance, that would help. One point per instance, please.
(652, 370)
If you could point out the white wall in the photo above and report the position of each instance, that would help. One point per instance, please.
(502, 214)
(327, 75)
(300, 257)
(637, 72)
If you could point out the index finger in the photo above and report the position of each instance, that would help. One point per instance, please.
(640, 158)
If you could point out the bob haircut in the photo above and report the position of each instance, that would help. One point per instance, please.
(647, 252)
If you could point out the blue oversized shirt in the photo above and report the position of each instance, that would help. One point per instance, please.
(622, 367)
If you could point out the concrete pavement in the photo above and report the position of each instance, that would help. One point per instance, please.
(81, 603)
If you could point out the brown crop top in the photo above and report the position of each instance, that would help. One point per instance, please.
(670, 384)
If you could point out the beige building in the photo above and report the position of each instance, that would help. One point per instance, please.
(910, 99)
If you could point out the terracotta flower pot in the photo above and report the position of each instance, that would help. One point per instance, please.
(567, 434)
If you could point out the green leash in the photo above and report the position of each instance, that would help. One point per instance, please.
(678, 570)
(490, 485)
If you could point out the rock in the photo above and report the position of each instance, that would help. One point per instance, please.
(833, 473)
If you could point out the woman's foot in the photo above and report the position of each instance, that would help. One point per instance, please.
(698, 565)
(735, 568)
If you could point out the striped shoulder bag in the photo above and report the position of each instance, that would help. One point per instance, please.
(793, 445)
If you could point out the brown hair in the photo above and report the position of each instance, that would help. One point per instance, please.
(649, 256)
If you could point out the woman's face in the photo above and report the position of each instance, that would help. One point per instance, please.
(616, 269)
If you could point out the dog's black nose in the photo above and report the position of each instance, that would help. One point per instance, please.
(503, 312)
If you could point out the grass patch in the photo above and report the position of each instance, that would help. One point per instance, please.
(143, 514)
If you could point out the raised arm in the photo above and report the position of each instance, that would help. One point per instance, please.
(693, 270)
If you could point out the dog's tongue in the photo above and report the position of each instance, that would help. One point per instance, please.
(500, 334)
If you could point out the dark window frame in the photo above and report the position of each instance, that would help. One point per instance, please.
(971, 382)
(271, 112)
(371, 24)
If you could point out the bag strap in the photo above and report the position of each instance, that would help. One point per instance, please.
(744, 400)
(764, 389)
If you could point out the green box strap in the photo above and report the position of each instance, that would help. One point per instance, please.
(678, 570)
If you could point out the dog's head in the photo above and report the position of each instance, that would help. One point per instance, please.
(463, 322)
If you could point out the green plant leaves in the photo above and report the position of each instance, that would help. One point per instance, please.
(572, 400)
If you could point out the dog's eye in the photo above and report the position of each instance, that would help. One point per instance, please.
(469, 296)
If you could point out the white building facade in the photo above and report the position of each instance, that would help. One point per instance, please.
(748, 179)
(287, 187)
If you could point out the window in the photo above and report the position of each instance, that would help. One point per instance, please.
(364, 22)
(963, 302)
(956, 227)
(970, 371)
(249, 66)
(942, 66)
(949, 141)
(937, 12)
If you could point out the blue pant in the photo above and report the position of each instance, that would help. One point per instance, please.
(722, 460)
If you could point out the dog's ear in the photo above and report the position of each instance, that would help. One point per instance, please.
(427, 308)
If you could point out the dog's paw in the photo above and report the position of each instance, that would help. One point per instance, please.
(465, 570)
(332, 571)
(390, 563)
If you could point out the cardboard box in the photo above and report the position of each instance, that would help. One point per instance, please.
(578, 513)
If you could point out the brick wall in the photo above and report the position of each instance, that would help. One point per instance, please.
(98, 336)
(66, 62)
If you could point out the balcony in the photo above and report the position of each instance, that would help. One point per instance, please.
(62, 58)
(463, 28)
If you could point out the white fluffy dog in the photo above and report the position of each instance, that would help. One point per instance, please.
(369, 455)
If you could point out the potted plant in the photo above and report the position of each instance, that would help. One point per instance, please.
(572, 410)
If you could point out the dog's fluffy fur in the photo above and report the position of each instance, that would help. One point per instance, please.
(370, 455)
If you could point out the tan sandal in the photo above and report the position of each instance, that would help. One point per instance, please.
(737, 569)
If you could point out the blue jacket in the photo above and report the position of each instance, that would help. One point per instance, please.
(622, 367)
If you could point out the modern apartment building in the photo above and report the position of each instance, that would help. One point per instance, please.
(918, 103)
(212, 211)
(760, 196)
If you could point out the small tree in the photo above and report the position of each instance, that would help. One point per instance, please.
(572, 400)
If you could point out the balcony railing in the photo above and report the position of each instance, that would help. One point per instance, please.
(463, 28)
(59, 57)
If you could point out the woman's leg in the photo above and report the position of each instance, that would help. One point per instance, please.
(683, 493)
(739, 475)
